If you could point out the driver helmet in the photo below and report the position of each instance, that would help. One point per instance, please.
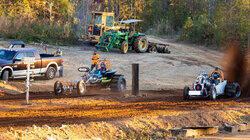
(103, 65)
(216, 69)
(95, 52)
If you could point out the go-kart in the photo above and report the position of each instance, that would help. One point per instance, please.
(97, 78)
(212, 86)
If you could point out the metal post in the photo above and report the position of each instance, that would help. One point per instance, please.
(28, 82)
(135, 79)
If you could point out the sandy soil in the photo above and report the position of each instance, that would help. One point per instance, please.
(106, 115)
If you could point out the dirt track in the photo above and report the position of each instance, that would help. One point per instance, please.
(72, 109)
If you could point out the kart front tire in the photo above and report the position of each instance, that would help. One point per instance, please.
(213, 94)
(185, 93)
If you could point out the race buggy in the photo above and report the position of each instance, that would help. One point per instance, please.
(212, 86)
(100, 77)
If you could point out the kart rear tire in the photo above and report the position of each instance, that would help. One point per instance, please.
(58, 88)
(118, 83)
(233, 90)
(237, 90)
(141, 44)
(124, 47)
(81, 87)
(213, 94)
(185, 93)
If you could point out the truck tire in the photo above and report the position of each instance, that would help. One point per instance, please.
(5, 76)
(213, 94)
(50, 73)
(58, 88)
(124, 47)
(141, 44)
(185, 93)
(118, 83)
(81, 87)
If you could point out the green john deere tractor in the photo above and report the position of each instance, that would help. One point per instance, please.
(124, 39)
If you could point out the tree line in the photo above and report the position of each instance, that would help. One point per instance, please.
(211, 22)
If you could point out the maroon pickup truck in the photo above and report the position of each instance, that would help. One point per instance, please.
(12, 63)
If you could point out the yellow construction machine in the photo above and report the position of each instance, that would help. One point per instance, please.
(97, 23)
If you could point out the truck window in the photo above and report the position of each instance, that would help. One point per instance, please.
(90, 18)
(7, 54)
(110, 21)
(20, 56)
(98, 19)
(30, 54)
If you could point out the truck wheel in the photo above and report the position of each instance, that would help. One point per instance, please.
(124, 47)
(5, 76)
(185, 93)
(237, 90)
(50, 73)
(141, 44)
(81, 87)
(118, 83)
(213, 94)
(58, 87)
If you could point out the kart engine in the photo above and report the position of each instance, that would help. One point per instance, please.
(90, 78)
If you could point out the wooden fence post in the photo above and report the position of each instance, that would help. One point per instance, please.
(135, 79)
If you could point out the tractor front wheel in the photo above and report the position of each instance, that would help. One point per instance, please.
(141, 44)
(124, 47)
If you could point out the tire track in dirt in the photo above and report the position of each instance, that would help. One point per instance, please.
(122, 108)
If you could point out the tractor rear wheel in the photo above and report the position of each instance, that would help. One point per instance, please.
(81, 87)
(124, 47)
(141, 44)
(58, 87)
(118, 83)
(185, 93)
